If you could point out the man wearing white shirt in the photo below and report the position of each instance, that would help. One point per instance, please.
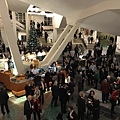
(34, 71)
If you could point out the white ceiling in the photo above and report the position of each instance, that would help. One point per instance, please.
(18, 6)
(107, 21)
(64, 7)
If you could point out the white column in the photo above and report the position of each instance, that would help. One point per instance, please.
(57, 19)
(4, 36)
(12, 42)
(27, 25)
(118, 44)
(14, 23)
(95, 35)
(54, 35)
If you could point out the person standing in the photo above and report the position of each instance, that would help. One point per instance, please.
(55, 94)
(96, 108)
(28, 107)
(47, 79)
(4, 101)
(81, 105)
(59, 116)
(72, 114)
(63, 98)
(46, 36)
(80, 87)
(105, 88)
(37, 92)
(113, 99)
(71, 86)
(27, 89)
(42, 90)
(36, 109)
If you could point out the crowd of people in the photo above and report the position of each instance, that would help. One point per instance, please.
(99, 71)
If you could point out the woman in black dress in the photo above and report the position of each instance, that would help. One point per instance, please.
(90, 100)
(96, 108)
(72, 114)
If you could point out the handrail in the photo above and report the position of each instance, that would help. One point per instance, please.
(20, 24)
(56, 44)
(57, 53)
(84, 43)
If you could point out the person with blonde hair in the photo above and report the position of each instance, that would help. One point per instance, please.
(28, 107)
(55, 94)
(81, 105)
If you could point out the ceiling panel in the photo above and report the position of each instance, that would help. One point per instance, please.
(106, 21)
(18, 6)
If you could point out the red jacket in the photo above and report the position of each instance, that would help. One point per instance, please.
(36, 105)
(105, 87)
(114, 95)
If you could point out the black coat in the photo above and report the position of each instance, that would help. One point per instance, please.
(27, 90)
(27, 108)
(74, 115)
(63, 95)
(81, 105)
(3, 97)
(47, 77)
(96, 109)
(55, 91)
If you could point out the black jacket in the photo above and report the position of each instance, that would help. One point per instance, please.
(74, 115)
(55, 90)
(81, 105)
(3, 97)
(47, 77)
(63, 95)
(27, 108)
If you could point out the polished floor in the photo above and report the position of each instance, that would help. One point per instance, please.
(16, 107)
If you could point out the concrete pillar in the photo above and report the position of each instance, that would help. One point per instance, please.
(14, 23)
(4, 36)
(27, 25)
(54, 35)
(95, 35)
(12, 42)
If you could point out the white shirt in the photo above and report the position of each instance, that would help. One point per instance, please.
(34, 71)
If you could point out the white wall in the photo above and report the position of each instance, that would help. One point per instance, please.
(57, 20)
(36, 18)
(20, 34)
(118, 44)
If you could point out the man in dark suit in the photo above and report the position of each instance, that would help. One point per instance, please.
(47, 79)
(41, 85)
(63, 98)
(55, 94)
(81, 106)
(28, 107)
(4, 100)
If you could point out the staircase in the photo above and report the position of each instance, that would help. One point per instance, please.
(90, 46)
(20, 26)
(59, 45)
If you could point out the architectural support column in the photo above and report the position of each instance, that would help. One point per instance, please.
(4, 36)
(14, 23)
(12, 42)
(27, 25)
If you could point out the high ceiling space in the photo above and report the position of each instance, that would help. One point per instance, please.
(107, 21)
(18, 6)
(64, 7)
(101, 15)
